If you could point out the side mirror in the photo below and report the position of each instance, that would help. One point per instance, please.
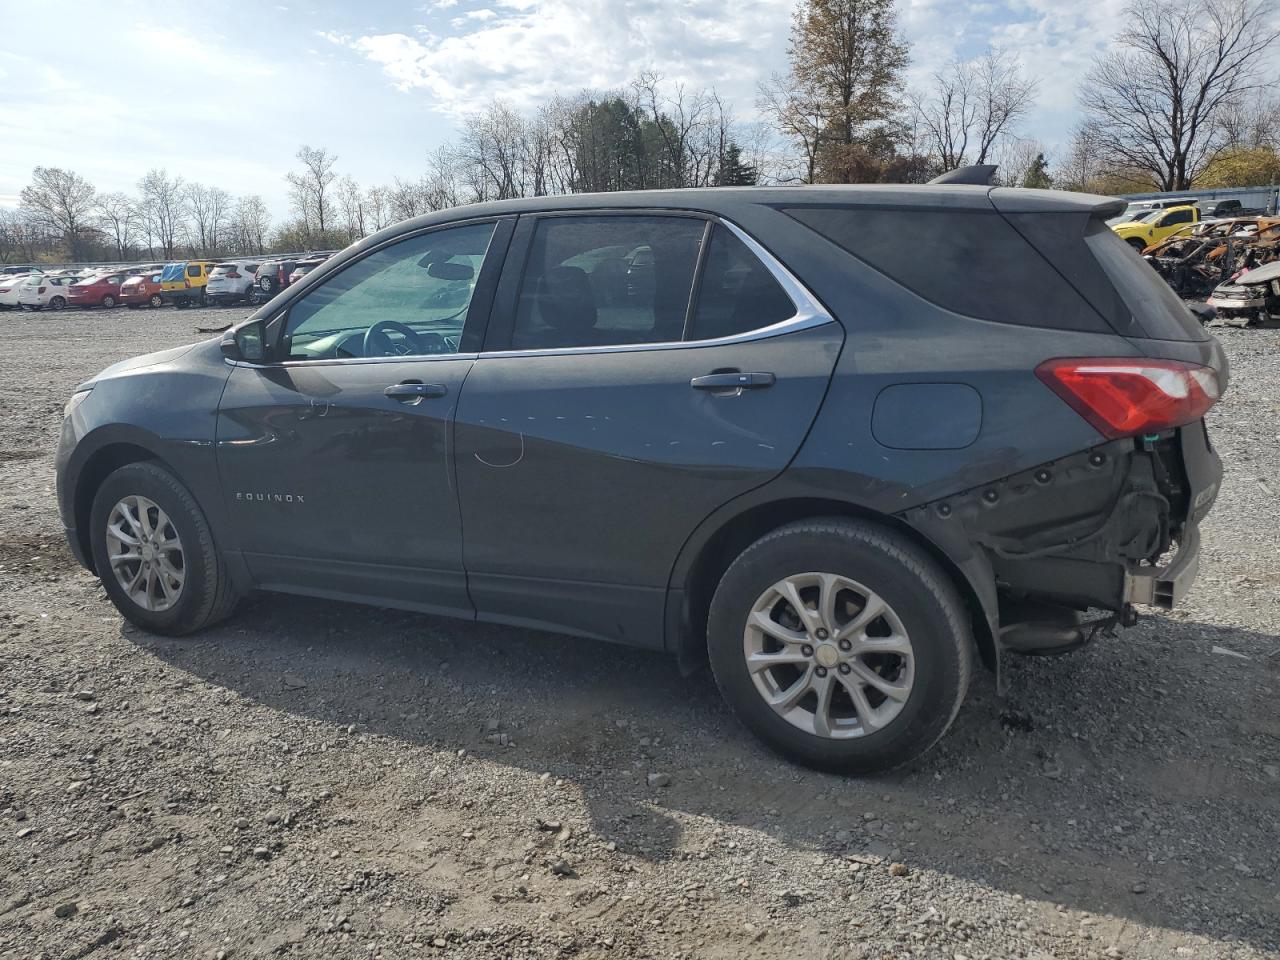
(246, 342)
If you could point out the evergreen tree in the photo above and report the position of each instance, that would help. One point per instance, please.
(1037, 174)
(733, 171)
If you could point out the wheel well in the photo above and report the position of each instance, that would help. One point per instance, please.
(746, 528)
(96, 469)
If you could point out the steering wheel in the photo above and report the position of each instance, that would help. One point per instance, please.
(377, 343)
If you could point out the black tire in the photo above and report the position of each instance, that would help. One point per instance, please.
(57, 303)
(207, 594)
(920, 593)
(1136, 244)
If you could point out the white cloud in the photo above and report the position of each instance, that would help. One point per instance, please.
(525, 51)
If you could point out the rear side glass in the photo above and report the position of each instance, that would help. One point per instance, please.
(601, 281)
(968, 261)
(193, 271)
(737, 293)
(1158, 310)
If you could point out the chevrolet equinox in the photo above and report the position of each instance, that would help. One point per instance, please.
(839, 441)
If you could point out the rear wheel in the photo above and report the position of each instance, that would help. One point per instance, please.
(841, 644)
(108, 301)
(155, 554)
(57, 303)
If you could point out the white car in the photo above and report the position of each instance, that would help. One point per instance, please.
(48, 290)
(9, 284)
(231, 280)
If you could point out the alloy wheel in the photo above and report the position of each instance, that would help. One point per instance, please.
(145, 553)
(829, 655)
(156, 300)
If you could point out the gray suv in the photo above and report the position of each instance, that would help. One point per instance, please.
(838, 441)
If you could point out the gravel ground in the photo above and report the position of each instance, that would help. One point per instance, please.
(312, 779)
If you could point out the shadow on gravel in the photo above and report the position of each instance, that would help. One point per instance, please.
(1135, 778)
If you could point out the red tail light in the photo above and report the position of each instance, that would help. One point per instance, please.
(1126, 397)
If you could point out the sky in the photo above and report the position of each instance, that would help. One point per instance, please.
(225, 94)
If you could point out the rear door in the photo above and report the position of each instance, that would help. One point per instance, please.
(641, 370)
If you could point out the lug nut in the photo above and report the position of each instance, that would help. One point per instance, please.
(846, 646)
(807, 650)
(822, 634)
(821, 671)
(844, 668)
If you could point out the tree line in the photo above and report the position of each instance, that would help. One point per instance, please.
(1180, 100)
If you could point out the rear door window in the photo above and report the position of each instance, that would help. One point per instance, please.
(607, 280)
(736, 293)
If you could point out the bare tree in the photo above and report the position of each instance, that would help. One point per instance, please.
(310, 189)
(162, 209)
(375, 206)
(118, 218)
(209, 209)
(970, 107)
(799, 114)
(250, 222)
(62, 202)
(1156, 105)
(350, 200)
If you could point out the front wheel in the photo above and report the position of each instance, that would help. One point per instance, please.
(155, 301)
(841, 644)
(155, 554)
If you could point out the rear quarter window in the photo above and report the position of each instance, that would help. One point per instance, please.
(1155, 307)
(971, 262)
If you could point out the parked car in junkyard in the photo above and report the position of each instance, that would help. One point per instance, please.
(9, 289)
(98, 290)
(17, 270)
(42, 290)
(302, 267)
(1140, 208)
(1155, 226)
(142, 290)
(1251, 297)
(231, 281)
(826, 459)
(183, 282)
(272, 276)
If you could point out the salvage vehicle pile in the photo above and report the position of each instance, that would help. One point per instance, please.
(1233, 262)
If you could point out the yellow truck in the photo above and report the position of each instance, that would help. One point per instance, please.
(1155, 226)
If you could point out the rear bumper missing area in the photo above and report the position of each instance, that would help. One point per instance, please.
(1165, 586)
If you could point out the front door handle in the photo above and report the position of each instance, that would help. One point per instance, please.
(734, 380)
(411, 391)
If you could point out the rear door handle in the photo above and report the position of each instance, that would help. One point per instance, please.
(733, 380)
(411, 390)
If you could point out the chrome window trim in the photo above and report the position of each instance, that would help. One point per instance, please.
(809, 312)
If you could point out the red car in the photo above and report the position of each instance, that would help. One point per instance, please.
(102, 290)
(141, 290)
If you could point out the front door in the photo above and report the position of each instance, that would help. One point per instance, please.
(614, 409)
(335, 459)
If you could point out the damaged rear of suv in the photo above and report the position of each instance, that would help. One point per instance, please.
(821, 453)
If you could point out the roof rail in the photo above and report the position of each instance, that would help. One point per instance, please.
(978, 174)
